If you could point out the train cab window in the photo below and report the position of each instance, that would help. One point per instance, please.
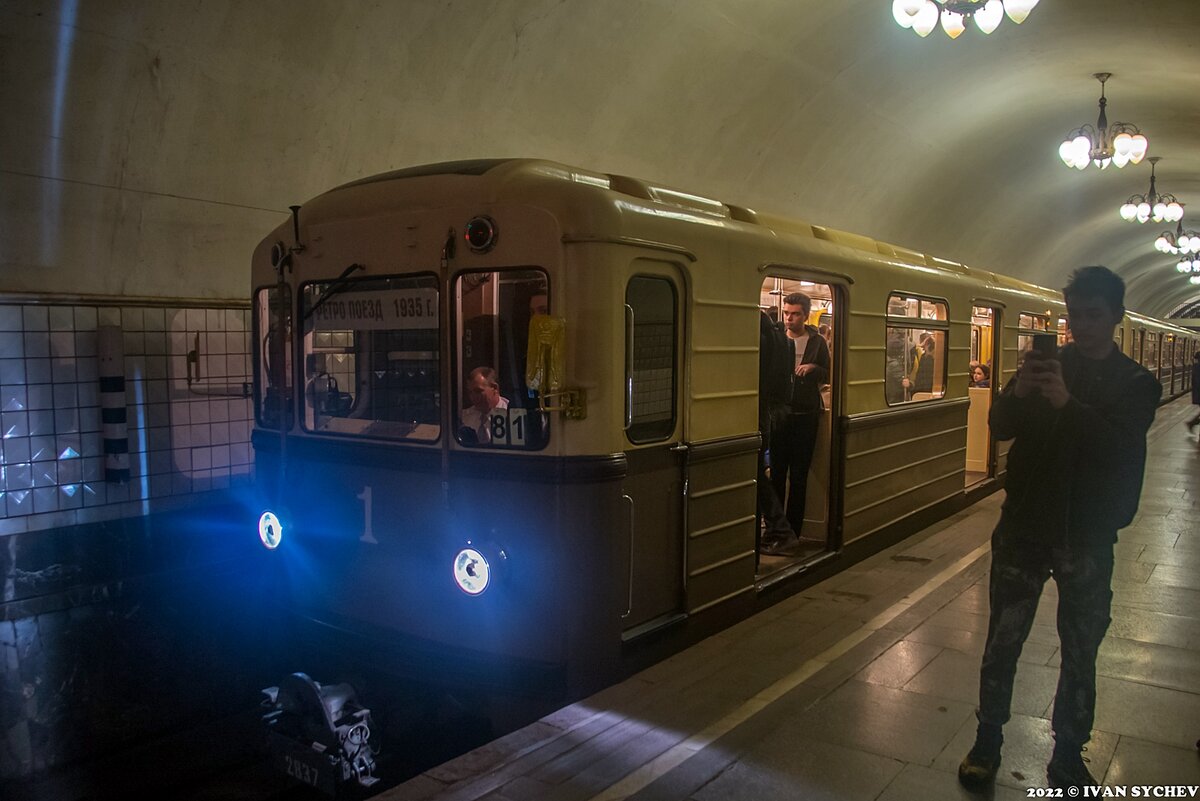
(651, 325)
(371, 358)
(494, 407)
(273, 356)
(918, 335)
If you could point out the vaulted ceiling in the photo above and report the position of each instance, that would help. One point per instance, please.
(146, 146)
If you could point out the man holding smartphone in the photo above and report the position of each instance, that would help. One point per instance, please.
(1078, 418)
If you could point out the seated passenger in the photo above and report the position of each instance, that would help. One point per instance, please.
(982, 377)
(483, 390)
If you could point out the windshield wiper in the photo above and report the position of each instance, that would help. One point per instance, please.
(339, 284)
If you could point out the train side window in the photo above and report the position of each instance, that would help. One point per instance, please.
(273, 356)
(1150, 361)
(918, 335)
(652, 323)
(495, 408)
(1029, 324)
(371, 357)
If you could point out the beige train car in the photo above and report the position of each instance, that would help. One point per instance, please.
(507, 412)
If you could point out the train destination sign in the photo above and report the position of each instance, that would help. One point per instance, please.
(379, 310)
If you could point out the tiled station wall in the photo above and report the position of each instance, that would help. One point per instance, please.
(186, 439)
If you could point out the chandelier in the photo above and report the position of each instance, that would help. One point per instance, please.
(1152, 206)
(922, 15)
(1121, 144)
(1178, 241)
(1187, 265)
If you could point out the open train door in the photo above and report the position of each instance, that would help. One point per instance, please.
(983, 380)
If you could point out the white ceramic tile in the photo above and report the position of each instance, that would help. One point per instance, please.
(16, 451)
(70, 496)
(89, 393)
(42, 449)
(19, 502)
(18, 477)
(66, 395)
(93, 468)
(45, 474)
(86, 369)
(13, 398)
(181, 435)
(134, 343)
(11, 318)
(12, 371)
(201, 435)
(235, 343)
(234, 321)
(156, 368)
(66, 421)
(36, 318)
(62, 344)
(109, 316)
(85, 318)
(220, 456)
(37, 344)
(40, 423)
(40, 396)
(89, 418)
(160, 486)
(201, 459)
(176, 320)
(160, 462)
(85, 343)
(95, 493)
(45, 499)
(60, 519)
(14, 424)
(200, 411)
(156, 343)
(214, 367)
(11, 525)
(181, 458)
(63, 370)
(181, 483)
(195, 320)
(93, 444)
(218, 411)
(219, 433)
(239, 453)
(158, 439)
(70, 471)
(156, 390)
(132, 319)
(62, 318)
(220, 479)
(201, 481)
(214, 319)
(154, 319)
(37, 371)
(12, 345)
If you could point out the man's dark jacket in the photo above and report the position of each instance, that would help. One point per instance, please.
(1075, 474)
(806, 390)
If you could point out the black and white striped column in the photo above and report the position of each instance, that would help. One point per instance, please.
(110, 353)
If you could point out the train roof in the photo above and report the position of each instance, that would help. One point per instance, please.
(500, 173)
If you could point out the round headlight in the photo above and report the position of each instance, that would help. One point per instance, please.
(472, 572)
(270, 530)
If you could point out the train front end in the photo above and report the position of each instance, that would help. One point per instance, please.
(415, 504)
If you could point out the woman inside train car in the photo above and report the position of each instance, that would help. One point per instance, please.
(981, 376)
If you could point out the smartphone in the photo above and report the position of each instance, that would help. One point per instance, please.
(1046, 345)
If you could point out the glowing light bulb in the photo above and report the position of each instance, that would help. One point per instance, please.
(988, 18)
(926, 19)
(1018, 10)
(952, 23)
(1129, 212)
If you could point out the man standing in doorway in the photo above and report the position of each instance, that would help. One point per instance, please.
(792, 445)
(1079, 423)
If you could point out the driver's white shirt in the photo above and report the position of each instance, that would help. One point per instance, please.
(477, 420)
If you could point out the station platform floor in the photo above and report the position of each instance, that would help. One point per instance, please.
(864, 686)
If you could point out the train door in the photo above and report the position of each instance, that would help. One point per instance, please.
(653, 490)
(799, 456)
(983, 376)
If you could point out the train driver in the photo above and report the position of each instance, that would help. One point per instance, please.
(483, 390)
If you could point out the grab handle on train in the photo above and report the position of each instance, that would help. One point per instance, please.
(628, 366)
(629, 601)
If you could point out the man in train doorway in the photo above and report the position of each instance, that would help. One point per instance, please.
(1079, 424)
(792, 445)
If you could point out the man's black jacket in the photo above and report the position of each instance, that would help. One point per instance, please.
(1075, 474)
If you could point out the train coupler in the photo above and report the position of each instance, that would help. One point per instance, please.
(319, 735)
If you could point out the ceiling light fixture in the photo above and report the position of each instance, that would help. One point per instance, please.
(1152, 206)
(1121, 144)
(923, 15)
(1187, 265)
(1178, 241)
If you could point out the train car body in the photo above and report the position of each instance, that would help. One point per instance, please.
(610, 500)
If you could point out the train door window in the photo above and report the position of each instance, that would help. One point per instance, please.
(371, 358)
(918, 334)
(981, 381)
(1064, 331)
(651, 325)
(273, 356)
(1027, 326)
(494, 407)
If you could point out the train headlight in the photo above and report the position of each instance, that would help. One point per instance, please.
(478, 566)
(270, 529)
(472, 572)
